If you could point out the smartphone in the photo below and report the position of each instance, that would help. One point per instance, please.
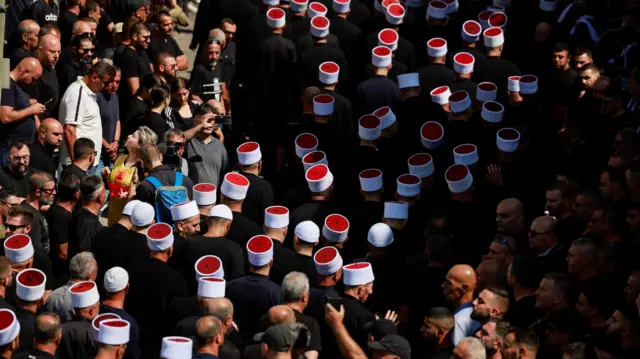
(335, 302)
(48, 101)
(223, 120)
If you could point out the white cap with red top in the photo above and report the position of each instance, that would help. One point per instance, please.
(408, 185)
(381, 56)
(459, 178)
(176, 348)
(386, 116)
(114, 332)
(437, 10)
(431, 135)
(249, 153)
(388, 38)
(9, 326)
(316, 9)
(487, 91)
(513, 84)
(299, 5)
(328, 73)
(305, 143)
(319, 178)
(371, 180)
(498, 19)
(408, 80)
(396, 210)
(30, 284)
(357, 274)
(471, 31)
(182, 211)
(369, 128)
(440, 95)
(336, 228)
(459, 101)
(18, 248)
(493, 37)
(463, 63)
(483, 18)
(95, 323)
(395, 14)
(84, 294)
(276, 18)
(209, 266)
(528, 84)
(452, 6)
(319, 26)
(235, 186)
(211, 287)
(437, 47)
(492, 112)
(327, 261)
(204, 194)
(276, 217)
(465, 154)
(159, 237)
(323, 105)
(260, 250)
(341, 6)
(314, 158)
(508, 140)
(421, 165)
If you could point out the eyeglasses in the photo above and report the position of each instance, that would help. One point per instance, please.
(503, 240)
(48, 190)
(533, 233)
(19, 158)
(9, 204)
(13, 227)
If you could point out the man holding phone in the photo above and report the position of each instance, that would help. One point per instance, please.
(208, 158)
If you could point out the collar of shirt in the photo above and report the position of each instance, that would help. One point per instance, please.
(545, 252)
(463, 307)
(86, 88)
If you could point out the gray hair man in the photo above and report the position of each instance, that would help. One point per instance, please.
(470, 348)
(47, 335)
(295, 294)
(82, 267)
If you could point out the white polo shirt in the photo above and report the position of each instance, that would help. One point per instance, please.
(78, 107)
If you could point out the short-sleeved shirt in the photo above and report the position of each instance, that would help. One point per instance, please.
(79, 108)
(207, 162)
(159, 45)
(17, 55)
(110, 114)
(25, 129)
(43, 13)
(133, 64)
(65, 23)
(48, 92)
(207, 83)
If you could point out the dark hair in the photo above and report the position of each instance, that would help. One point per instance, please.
(24, 211)
(103, 68)
(617, 175)
(226, 21)
(178, 83)
(561, 46)
(38, 180)
(439, 313)
(46, 29)
(137, 29)
(527, 271)
(47, 331)
(88, 188)
(68, 186)
(563, 283)
(583, 50)
(160, 13)
(83, 147)
(590, 67)
(580, 350)
(565, 190)
(89, 6)
(439, 248)
(17, 144)
(150, 81)
(203, 110)
(502, 327)
(526, 337)
(598, 296)
(89, 19)
(158, 95)
(7, 192)
(149, 153)
(80, 39)
(159, 60)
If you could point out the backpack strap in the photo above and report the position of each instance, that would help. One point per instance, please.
(154, 182)
(178, 181)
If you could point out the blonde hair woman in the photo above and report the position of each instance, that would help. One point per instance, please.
(126, 172)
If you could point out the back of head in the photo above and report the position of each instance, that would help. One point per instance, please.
(281, 314)
(68, 187)
(442, 317)
(48, 328)
(38, 180)
(474, 348)
(159, 95)
(221, 308)
(102, 69)
(294, 287)
(207, 328)
(90, 188)
(24, 211)
(150, 154)
(579, 350)
(527, 271)
(525, 337)
(81, 266)
(83, 148)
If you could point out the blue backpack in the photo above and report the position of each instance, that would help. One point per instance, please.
(167, 196)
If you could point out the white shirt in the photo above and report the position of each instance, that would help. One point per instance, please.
(464, 325)
(78, 107)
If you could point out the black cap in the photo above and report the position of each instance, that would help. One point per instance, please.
(281, 338)
(380, 328)
(393, 344)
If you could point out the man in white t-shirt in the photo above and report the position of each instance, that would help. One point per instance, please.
(80, 113)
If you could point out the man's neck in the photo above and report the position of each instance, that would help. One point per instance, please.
(29, 307)
(326, 281)
(318, 197)
(495, 53)
(3, 291)
(466, 298)
(494, 354)
(381, 71)
(254, 171)
(92, 207)
(296, 306)
(261, 271)
(216, 232)
(350, 292)
(33, 202)
(26, 47)
(446, 342)
(520, 292)
(211, 349)
(163, 257)
(277, 237)
(114, 302)
(372, 197)
(325, 87)
(366, 143)
(235, 206)
(126, 223)
(305, 251)
(46, 347)
(342, 16)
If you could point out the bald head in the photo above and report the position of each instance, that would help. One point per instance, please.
(488, 273)
(544, 224)
(207, 329)
(81, 27)
(513, 205)
(221, 308)
(49, 49)
(28, 26)
(464, 274)
(281, 314)
(27, 72)
(29, 31)
(510, 216)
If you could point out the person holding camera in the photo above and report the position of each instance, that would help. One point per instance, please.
(208, 158)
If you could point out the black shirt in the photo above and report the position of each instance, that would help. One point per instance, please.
(156, 122)
(17, 55)
(65, 23)
(27, 322)
(242, 229)
(110, 114)
(58, 219)
(75, 170)
(259, 197)
(84, 227)
(377, 91)
(133, 349)
(42, 158)
(254, 293)
(128, 249)
(43, 13)
(522, 313)
(24, 129)
(134, 115)
(78, 340)
(355, 317)
(159, 45)
(101, 244)
(435, 75)
(203, 81)
(34, 353)
(18, 182)
(47, 92)
(134, 64)
(314, 329)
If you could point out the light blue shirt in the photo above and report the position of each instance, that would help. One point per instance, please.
(464, 325)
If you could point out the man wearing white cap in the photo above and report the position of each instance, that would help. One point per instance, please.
(306, 238)
(153, 284)
(495, 69)
(345, 30)
(19, 249)
(276, 225)
(30, 290)
(9, 338)
(358, 285)
(320, 182)
(321, 50)
(408, 189)
(260, 193)
(254, 293)
(77, 334)
(205, 195)
(405, 53)
(186, 219)
(367, 154)
(463, 64)
(382, 244)
(131, 248)
(435, 74)
(233, 192)
(298, 24)
(116, 286)
(328, 263)
(113, 339)
(213, 242)
(471, 34)
(342, 108)
(378, 91)
(366, 213)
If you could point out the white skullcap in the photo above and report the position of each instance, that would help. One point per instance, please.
(116, 279)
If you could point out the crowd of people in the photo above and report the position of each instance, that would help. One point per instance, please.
(323, 179)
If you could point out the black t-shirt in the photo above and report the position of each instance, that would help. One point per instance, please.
(133, 117)
(133, 64)
(75, 170)
(24, 129)
(105, 37)
(65, 23)
(42, 158)
(159, 45)
(43, 13)
(314, 329)
(48, 92)
(158, 123)
(58, 219)
(17, 55)
(203, 81)
(84, 226)
(110, 114)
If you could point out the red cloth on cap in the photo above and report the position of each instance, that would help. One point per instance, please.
(528, 78)
(372, 173)
(159, 231)
(492, 106)
(208, 265)
(487, 86)
(464, 149)
(439, 90)
(382, 51)
(507, 134)
(275, 13)
(102, 317)
(212, 279)
(463, 58)
(438, 4)
(388, 36)
(248, 147)
(337, 223)
(431, 131)
(420, 159)
(494, 31)
(317, 172)
(31, 278)
(457, 173)
(277, 210)
(472, 28)
(382, 111)
(237, 179)
(329, 67)
(485, 15)
(6, 319)
(409, 179)
(396, 10)
(497, 19)
(436, 43)
(307, 141)
(458, 96)
(323, 99)
(313, 157)
(82, 287)
(326, 255)
(17, 241)
(318, 7)
(178, 340)
(369, 121)
(119, 323)
(359, 265)
(320, 22)
(204, 187)
(260, 244)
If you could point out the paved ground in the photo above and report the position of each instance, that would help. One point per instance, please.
(184, 39)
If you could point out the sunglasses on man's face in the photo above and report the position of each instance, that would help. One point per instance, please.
(13, 227)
